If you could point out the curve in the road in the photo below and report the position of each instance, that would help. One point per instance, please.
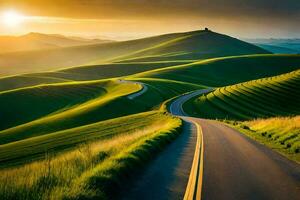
(236, 167)
(138, 93)
(194, 186)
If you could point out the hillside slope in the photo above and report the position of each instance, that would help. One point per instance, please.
(196, 45)
(177, 46)
(268, 97)
(23, 150)
(228, 70)
(69, 105)
(61, 106)
(82, 73)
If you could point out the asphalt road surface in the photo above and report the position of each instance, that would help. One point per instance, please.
(238, 168)
(167, 175)
(138, 93)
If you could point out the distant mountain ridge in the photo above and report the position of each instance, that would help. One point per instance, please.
(39, 41)
(274, 40)
(278, 45)
(186, 46)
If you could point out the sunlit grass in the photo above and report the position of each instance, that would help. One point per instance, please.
(279, 133)
(282, 130)
(73, 174)
(222, 71)
(53, 106)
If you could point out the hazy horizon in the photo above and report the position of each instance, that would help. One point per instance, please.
(107, 37)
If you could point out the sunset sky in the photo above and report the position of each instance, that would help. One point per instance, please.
(126, 19)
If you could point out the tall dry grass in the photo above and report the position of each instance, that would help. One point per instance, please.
(281, 130)
(62, 176)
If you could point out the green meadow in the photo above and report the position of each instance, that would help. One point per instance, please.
(78, 122)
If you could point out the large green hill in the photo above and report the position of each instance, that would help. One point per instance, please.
(211, 72)
(82, 73)
(177, 46)
(194, 46)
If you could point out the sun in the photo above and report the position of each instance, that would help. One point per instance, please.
(12, 18)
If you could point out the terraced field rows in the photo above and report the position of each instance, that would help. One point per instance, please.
(24, 105)
(101, 157)
(34, 148)
(254, 99)
(50, 108)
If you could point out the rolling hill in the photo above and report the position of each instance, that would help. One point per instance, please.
(197, 45)
(22, 151)
(178, 46)
(211, 72)
(268, 97)
(228, 70)
(61, 106)
(78, 120)
(82, 73)
(113, 156)
(73, 104)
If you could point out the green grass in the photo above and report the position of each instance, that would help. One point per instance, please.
(69, 105)
(112, 70)
(228, 70)
(27, 80)
(63, 106)
(81, 73)
(24, 105)
(34, 148)
(73, 133)
(279, 133)
(160, 90)
(92, 170)
(274, 96)
(196, 45)
(212, 72)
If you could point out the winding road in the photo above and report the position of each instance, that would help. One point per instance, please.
(212, 161)
(138, 93)
(238, 168)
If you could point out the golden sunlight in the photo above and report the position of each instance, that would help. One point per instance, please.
(12, 18)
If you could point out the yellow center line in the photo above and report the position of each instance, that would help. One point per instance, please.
(194, 186)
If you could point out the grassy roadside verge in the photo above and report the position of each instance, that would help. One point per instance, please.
(281, 134)
(94, 170)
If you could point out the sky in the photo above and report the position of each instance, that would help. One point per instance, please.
(127, 19)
